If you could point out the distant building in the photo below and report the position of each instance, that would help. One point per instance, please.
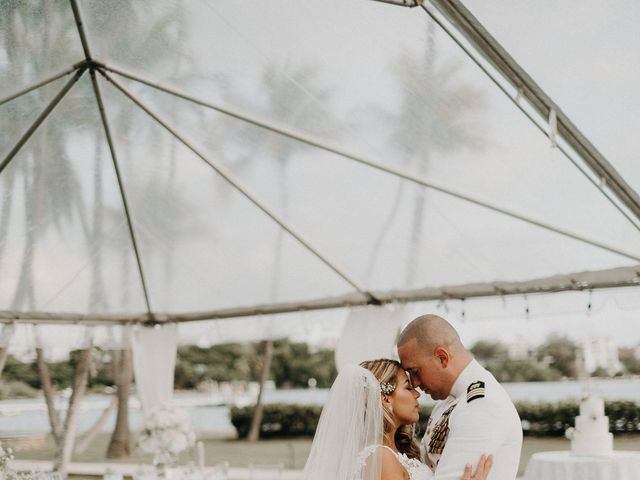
(600, 353)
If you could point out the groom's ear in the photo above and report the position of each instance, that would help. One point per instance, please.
(443, 356)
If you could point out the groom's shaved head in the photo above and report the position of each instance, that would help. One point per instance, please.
(431, 352)
(429, 332)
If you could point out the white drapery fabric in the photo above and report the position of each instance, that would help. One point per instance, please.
(7, 332)
(154, 363)
(369, 333)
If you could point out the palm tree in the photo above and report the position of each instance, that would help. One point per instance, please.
(287, 97)
(423, 129)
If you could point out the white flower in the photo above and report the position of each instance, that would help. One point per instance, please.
(167, 430)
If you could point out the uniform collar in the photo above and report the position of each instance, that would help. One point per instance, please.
(466, 377)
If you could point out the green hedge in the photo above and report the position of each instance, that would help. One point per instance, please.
(278, 420)
(538, 419)
(552, 419)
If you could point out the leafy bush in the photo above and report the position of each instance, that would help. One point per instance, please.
(16, 389)
(549, 419)
(279, 420)
(538, 419)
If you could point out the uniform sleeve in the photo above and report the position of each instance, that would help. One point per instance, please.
(479, 426)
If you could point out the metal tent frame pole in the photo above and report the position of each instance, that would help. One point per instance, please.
(588, 173)
(459, 16)
(41, 83)
(123, 195)
(107, 130)
(365, 161)
(41, 118)
(612, 278)
(228, 176)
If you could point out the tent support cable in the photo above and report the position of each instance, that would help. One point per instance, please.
(224, 173)
(370, 163)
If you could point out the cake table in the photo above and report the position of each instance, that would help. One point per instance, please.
(620, 465)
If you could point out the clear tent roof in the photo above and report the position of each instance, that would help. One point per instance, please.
(384, 98)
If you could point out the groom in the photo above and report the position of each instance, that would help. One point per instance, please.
(473, 414)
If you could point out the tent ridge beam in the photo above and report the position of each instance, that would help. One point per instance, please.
(579, 281)
(125, 202)
(370, 163)
(41, 118)
(498, 57)
(228, 177)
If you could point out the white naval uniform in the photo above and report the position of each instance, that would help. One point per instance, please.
(479, 422)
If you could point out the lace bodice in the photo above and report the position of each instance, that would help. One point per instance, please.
(414, 467)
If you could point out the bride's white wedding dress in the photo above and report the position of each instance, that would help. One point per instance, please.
(350, 433)
(414, 467)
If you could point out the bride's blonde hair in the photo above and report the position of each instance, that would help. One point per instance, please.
(386, 370)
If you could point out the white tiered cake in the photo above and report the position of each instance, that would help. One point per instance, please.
(591, 435)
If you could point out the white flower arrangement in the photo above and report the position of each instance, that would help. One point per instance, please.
(167, 432)
(6, 473)
(6, 454)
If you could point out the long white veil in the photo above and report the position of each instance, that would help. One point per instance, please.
(349, 431)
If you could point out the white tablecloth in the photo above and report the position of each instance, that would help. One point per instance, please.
(621, 465)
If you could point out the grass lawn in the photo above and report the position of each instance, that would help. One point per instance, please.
(291, 453)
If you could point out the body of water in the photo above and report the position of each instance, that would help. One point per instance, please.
(31, 415)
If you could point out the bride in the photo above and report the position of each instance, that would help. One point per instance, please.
(366, 431)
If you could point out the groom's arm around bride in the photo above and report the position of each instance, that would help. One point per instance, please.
(473, 414)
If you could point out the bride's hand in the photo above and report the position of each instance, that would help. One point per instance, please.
(482, 470)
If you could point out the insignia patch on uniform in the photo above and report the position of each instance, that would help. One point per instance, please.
(475, 390)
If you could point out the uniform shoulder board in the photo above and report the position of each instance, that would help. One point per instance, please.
(475, 390)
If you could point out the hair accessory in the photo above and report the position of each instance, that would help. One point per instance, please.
(387, 388)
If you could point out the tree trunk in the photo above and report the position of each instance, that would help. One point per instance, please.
(417, 224)
(120, 444)
(5, 338)
(90, 434)
(65, 448)
(256, 421)
(49, 395)
(5, 214)
(4, 353)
